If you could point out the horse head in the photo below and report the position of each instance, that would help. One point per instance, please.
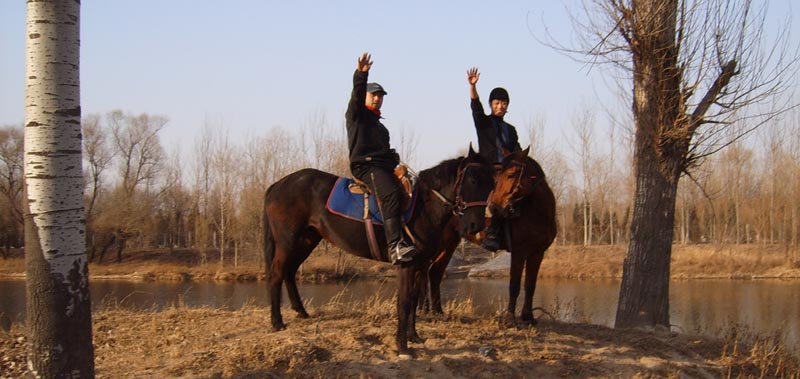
(516, 181)
(474, 182)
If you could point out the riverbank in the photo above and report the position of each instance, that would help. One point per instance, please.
(325, 265)
(356, 341)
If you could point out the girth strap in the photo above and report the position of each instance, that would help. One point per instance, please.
(371, 239)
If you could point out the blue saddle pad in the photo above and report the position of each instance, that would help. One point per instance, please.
(350, 205)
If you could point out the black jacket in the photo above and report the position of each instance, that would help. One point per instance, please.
(367, 138)
(487, 127)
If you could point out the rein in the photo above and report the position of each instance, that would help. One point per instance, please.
(459, 205)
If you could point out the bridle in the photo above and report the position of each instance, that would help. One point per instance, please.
(460, 205)
(518, 186)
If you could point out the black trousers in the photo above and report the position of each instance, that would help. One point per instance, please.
(382, 184)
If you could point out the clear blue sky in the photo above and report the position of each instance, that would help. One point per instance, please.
(254, 65)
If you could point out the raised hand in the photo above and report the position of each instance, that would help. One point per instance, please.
(364, 62)
(473, 75)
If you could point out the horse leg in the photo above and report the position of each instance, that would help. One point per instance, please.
(290, 278)
(435, 276)
(424, 299)
(274, 280)
(531, 272)
(517, 263)
(418, 273)
(405, 308)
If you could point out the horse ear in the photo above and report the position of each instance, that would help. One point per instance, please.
(472, 152)
(525, 152)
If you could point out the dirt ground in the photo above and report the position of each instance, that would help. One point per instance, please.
(345, 341)
(356, 341)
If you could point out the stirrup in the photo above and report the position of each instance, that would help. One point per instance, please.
(401, 253)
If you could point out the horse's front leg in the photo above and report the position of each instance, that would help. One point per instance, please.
(405, 308)
(531, 272)
(517, 263)
(435, 276)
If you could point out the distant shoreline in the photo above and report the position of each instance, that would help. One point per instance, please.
(741, 262)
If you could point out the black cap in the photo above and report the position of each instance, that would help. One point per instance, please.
(375, 87)
(498, 93)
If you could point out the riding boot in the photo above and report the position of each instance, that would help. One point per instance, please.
(399, 249)
(491, 241)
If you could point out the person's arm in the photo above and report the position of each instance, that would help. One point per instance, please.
(472, 77)
(478, 116)
(358, 97)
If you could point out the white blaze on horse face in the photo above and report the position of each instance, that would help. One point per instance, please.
(505, 188)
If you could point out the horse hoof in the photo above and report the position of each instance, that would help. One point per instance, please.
(507, 321)
(302, 315)
(404, 357)
(278, 327)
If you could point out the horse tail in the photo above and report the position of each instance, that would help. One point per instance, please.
(269, 241)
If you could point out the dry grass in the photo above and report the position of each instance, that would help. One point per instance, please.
(748, 355)
(355, 340)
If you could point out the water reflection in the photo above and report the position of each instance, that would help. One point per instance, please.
(696, 306)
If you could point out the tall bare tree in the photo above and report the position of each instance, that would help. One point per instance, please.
(11, 168)
(225, 184)
(58, 303)
(696, 67)
(98, 155)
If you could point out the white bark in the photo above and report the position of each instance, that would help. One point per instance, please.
(53, 170)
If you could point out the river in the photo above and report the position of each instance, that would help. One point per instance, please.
(696, 306)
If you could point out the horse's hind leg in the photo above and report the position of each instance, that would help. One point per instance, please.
(531, 273)
(274, 280)
(307, 244)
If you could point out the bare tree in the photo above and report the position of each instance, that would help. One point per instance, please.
(696, 67)
(225, 183)
(58, 302)
(139, 163)
(11, 168)
(583, 124)
(98, 155)
(139, 150)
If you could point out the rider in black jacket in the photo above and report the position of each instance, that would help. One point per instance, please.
(496, 139)
(372, 160)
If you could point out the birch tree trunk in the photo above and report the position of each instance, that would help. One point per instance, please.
(58, 303)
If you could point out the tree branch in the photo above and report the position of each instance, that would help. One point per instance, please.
(728, 71)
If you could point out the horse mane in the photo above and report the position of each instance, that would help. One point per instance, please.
(441, 175)
(536, 166)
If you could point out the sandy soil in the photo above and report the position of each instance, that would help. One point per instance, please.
(345, 341)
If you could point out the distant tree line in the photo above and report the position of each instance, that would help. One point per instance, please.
(139, 196)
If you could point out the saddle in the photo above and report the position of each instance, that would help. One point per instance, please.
(404, 177)
(351, 198)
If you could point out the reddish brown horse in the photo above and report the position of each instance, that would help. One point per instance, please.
(296, 219)
(522, 195)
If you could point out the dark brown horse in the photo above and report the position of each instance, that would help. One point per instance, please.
(522, 196)
(296, 219)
